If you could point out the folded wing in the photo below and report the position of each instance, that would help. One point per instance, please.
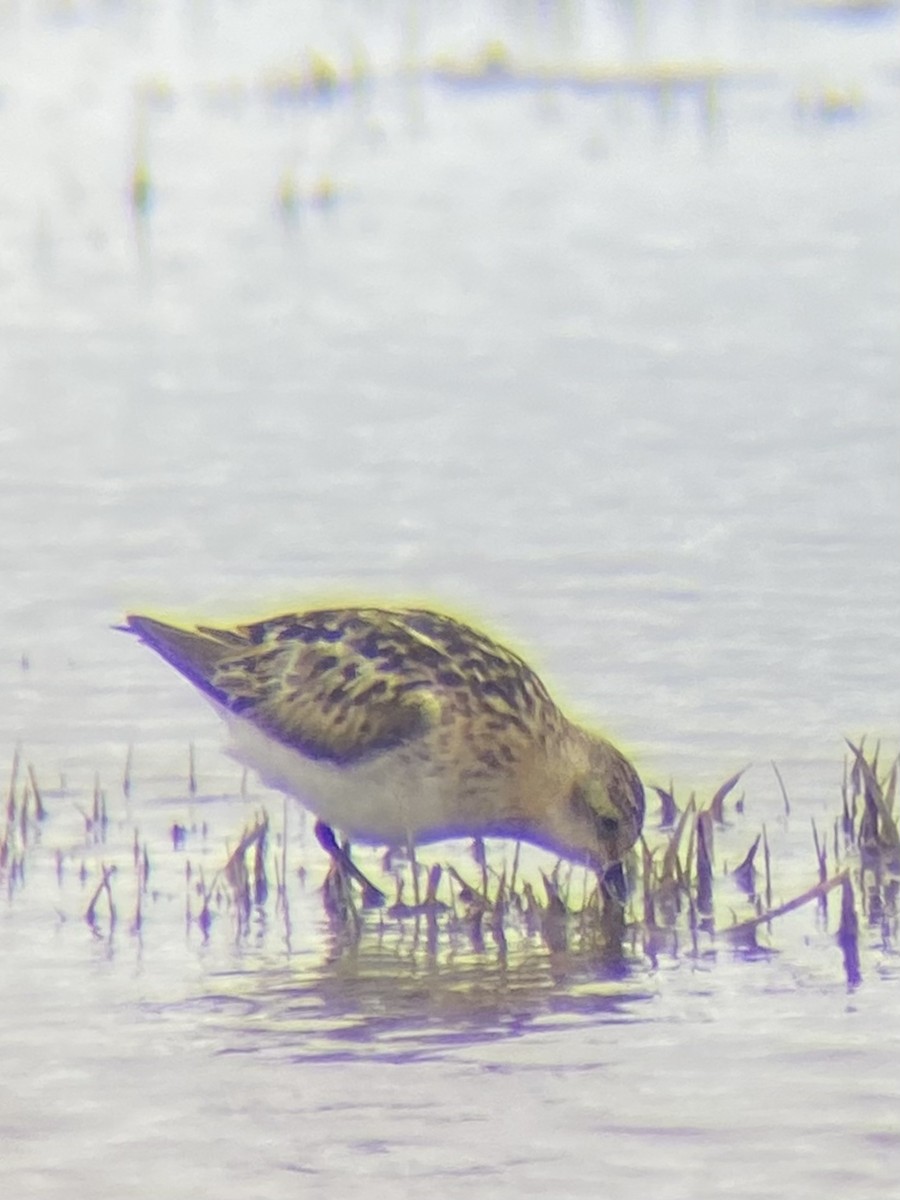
(319, 697)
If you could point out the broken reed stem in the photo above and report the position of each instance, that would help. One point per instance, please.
(848, 934)
(821, 852)
(787, 803)
(188, 911)
(678, 882)
(260, 879)
(767, 859)
(813, 893)
(204, 917)
(877, 827)
(670, 857)
(745, 872)
(668, 808)
(647, 877)
(704, 863)
(23, 815)
(102, 887)
(247, 880)
(467, 892)
(717, 804)
(40, 812)
(142, 870)
(13, 782)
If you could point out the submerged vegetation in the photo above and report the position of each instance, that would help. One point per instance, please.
(685, 896)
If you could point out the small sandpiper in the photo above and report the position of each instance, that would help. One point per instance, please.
(404, 726)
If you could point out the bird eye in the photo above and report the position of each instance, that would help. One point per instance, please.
(606, 827)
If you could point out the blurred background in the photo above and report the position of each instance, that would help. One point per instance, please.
(577, 319)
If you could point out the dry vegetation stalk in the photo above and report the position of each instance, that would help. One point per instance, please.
(673, 878)
(848, 934)
(13, 783)
(717, 804)
(741, 928)
(104, 888)
(784, 795)
(40, 812)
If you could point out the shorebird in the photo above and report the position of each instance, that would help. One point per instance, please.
(405, 726)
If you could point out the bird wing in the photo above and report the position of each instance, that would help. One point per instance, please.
(320, 696)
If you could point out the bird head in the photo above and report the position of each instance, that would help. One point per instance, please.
(604, 809)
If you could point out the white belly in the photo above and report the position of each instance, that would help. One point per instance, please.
(386, 800)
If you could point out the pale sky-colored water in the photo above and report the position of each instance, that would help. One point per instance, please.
(619, 387)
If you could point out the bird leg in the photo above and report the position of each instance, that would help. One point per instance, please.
(373, 897)
(414, 867)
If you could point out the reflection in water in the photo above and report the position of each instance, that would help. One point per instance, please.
(379, 997)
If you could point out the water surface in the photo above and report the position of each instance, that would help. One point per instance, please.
(610, 372)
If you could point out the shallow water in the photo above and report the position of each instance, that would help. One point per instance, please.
(613, 374)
